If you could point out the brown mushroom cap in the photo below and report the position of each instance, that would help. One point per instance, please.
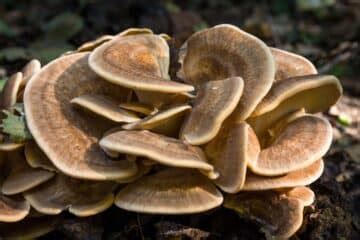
(301, 177)
(105, 107)
(10, 91)
(138, 108)
(305, 194)
(214, 102)
(229, 152)
(171, 191)
(29, 70)
(165, 122)
(223, 51)
(293, 94)
(37, 158)
(303, 141)
(142, 69)
(28, 228)
(68, 137)
(13, 209)
(82, 198)
(289, 64)
(162, 149)
(22, 177)
(279, 215)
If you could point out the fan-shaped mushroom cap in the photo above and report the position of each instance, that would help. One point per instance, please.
(289, 64)
(142, 69)
(281, 216)
(171, 191)
(303, 141)
(82, 198)
(91, 45)
(301, 177)
(105, 107)
(165, 150)
(13, 209)
(293, 94)
(22, 177)
(37, 158)
(214, 102)
(165, 122)
(138, 108)
(68, 137)
(10, 91)
(29, 70)
(305, 194)
(229, 152)
(28, 228)
(226, 51)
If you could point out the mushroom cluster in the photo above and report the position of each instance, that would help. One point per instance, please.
(111, 126)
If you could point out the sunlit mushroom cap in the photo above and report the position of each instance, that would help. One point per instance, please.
(22, 177)
(162, 149)
(293, 94)
(167, 121)
(137, 62)
(67, 136)
(224, 51)
(105, 107)
(171, 191)
(303, 141)
(214, 102)
(82, 198)
(279, 215)
(10, 91)
(289, 64)
(301, 177)
(229, 152)
(305, 194)
(13, 209)
(36, 158)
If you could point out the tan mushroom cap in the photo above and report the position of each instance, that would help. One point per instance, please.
(105, 107)
(293, 94)
(280, 216)
(305, 194)
(301, 177)
(167, 121)
(303, 141)
(29, 70)
(229, 152)
(162, 149)
(10, 91)
(223, 51)
(289, 64)
(214, 102)
(142, 69)
(36, 158)
(29, 228)
(68, 137)
(13, 209)
(82, 198)
(171, 191)
(22, 177)
(138, 107)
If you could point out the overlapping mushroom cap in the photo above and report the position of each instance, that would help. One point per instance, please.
(238, 122)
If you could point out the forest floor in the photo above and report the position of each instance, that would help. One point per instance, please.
(326, 32)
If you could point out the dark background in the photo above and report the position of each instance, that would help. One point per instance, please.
(325, 31)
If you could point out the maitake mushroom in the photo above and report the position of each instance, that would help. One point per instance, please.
(110, 125)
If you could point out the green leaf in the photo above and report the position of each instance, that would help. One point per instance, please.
(2, 83)
(64, 26)
(13, 53)
(16, 127)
